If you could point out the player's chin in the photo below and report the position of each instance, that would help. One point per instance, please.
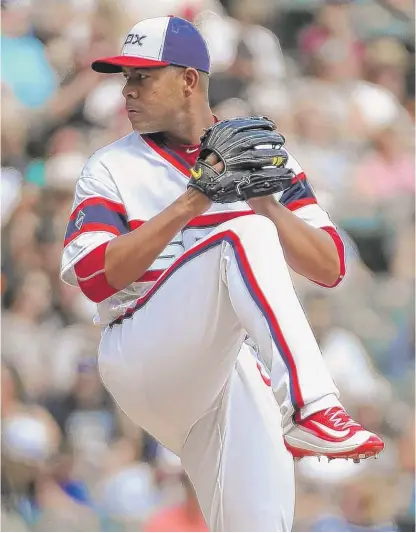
(143, 126)
(137, 123)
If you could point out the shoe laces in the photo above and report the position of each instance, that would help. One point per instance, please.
(340, 418)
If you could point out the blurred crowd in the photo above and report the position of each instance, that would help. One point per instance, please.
(337, 76)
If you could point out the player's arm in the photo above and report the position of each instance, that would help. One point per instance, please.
(309, 251)
(102, 254)
(129, 256)
(310, 241)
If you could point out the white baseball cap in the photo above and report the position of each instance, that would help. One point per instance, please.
(158, 42)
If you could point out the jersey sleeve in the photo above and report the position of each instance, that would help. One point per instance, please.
(98, 215)
(300, 198)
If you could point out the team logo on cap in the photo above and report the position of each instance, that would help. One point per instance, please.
(135, 38)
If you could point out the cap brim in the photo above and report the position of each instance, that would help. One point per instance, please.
(112, 65)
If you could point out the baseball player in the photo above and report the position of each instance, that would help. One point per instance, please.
(184, 243)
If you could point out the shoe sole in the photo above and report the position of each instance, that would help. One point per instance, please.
(356, 454)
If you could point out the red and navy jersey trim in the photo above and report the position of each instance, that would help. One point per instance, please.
(209, 220)
(333, 233)
(299, 194)
(90, 272)
(96, 214)
(252, 287)
(175, 155)
(169, 155)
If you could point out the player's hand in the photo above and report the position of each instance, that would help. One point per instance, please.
(215, 162)
(240, 159)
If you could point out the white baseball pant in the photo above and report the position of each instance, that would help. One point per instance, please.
(172, 364)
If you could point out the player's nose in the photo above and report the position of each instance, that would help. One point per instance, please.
(130, 92)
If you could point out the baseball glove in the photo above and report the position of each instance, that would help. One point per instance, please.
(253, 161)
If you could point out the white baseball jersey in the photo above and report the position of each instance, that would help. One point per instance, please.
(176, 362)
(130, 181)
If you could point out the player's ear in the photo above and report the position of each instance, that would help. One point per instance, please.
(191, 79)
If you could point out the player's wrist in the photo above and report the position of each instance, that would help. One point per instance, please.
(263, 205)
(194, 202)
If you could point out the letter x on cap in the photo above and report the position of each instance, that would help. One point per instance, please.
(158, 42)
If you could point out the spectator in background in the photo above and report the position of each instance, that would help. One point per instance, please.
(25, 68)
(262, 45)
(29, 439)
(87, 405)
(405, 517)
(126, 492)
(333, 72)
(27, 333)
(243, 51)
(14, 131)
(388, 168)
(319, 148)
(334, 57)
(366, 506)
(186, 516)
(401, 353)
(386, 62)
(331, 22)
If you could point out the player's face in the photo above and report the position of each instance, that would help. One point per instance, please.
(153, 97)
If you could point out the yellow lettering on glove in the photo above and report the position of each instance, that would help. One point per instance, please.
(277, 161)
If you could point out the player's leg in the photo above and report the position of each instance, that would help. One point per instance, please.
(168, 362)
(236, 458)
(262, 294)
(183, 338)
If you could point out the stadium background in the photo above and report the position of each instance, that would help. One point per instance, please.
(338, 78)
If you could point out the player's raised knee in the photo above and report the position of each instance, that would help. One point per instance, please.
(257, 226)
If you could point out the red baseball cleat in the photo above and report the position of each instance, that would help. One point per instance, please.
(331, 433)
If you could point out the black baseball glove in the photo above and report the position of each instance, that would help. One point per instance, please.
(252, 157)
